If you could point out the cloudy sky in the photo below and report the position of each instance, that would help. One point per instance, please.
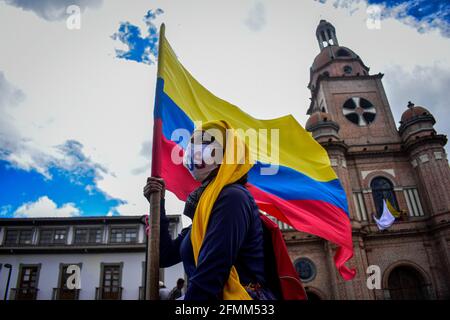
(76, 104)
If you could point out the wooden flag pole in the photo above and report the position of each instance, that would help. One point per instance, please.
(152, 272)
(152, 281)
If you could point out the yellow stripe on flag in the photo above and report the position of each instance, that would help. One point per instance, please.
(392, 210)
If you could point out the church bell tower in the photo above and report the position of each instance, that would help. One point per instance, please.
(375, 161)
(347, 95)
(326, 35)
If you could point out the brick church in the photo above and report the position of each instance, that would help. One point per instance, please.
(375, 160)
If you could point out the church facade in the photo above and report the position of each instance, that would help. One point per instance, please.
(376, 161)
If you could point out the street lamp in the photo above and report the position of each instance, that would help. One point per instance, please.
(8, 266)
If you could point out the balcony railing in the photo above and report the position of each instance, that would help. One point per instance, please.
(23, 294)
(65, 294)
(108, 293)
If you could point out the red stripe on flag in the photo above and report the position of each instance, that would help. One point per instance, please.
(178, 179)
(315, 217)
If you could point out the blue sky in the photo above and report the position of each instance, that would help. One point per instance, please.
(420, 9)
(76, 106)
(435, 13)
(71, 180)
(23, 187)
(142, 45)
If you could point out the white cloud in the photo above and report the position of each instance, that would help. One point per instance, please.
(52, 9)
(45, 207)
(21, 151)
(10, 96)
(426, 86)
(256, 18)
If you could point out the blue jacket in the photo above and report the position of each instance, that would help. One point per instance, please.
(234, 237)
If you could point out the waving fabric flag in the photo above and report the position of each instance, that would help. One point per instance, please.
(304, 193)
(387, 218)
(392, 210)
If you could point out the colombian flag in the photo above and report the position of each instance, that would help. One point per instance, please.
(305, 192)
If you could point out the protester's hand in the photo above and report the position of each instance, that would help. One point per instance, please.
(154, 185)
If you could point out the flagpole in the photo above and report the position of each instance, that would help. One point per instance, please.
(152, 264)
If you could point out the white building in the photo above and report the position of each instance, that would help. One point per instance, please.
(110, 252)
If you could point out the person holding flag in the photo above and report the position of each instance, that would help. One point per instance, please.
(222, 251)
(303, 192)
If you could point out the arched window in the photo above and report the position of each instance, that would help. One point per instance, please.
(382, 189)
(406, 283)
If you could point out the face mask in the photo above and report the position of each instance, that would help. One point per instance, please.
(200, 162)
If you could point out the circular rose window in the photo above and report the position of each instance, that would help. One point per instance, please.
(306, 269)
(360, 111)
